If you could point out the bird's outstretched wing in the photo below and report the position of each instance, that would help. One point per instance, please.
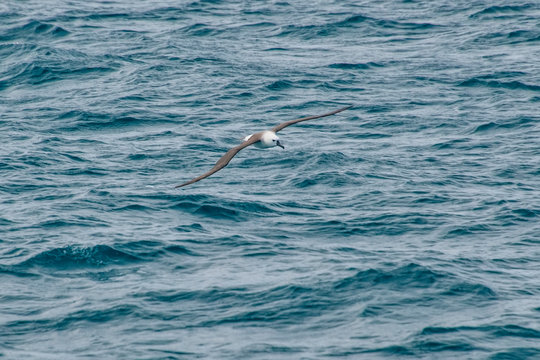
(290, 122)
(224, 160)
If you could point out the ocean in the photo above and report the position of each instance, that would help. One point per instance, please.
(404, 227)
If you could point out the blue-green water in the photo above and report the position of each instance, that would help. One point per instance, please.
(405, 227)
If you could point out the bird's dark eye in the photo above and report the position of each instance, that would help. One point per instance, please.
(273, 139)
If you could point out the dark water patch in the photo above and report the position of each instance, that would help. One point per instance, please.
(180, 250)
(48, 63)
(451, 144)
(38, 73)
(166, 13)
(5, 222)
(461, 231)
(526, 213)
(281, 304)
(498, 10)
(259, 24)
(393, 350)
(513, 124)
(337, 85)
(381, 25)
(225, 209)
(74, 320)
(408, 276)
(329, 178)
(355, 66)
(15, 271)
(275, 350)
(73, 257)
(524, 36)
(75, 221)
(73, 157)
(485, 127)
(279, 85)
(203, 60)
(93, 121)
(434, 346)
(201, 30)
(152, 250)
(374, 311)
(143, 249)
(508, 38)
(133, 208)
(380, 225)
(260, 253)
(87, 171)
(276, 49)
(379, 109)
(517, 353)
(305, 31)
(206, 296)
(219, 212)
(471, 291)
(493, 330)
(370, 135)
(527, 242)
(512, 85)
(196, 227)
(34, 29)
(516, 331)
(433, 199)
(108, 16)
(277, 315)
(509, 216)
(332, 158)
(312, 31)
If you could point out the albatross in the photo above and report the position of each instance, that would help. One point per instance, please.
(263, 139)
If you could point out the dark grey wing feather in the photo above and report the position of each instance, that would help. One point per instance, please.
(224, 160)
(290, 122)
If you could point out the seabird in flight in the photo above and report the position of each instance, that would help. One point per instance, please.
(263, 139)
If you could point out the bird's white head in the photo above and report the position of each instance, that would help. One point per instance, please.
(270, 139)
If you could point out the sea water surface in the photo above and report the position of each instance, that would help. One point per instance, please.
(405, 227)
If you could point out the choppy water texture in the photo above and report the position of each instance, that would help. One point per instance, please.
(405, 227)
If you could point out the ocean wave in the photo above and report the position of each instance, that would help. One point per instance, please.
(475, 292)
(33, 28)
(493, 330)
(369, 24)
(46, 64)
(77, 120)
(153, 250)
(201, 29)
(513, 124)
(355, 66)
(498, 10)
(17, 272)
(517, 353)
(508, 37)
(113, 313)
(513, 85)
(408, 276)
(75, 257)
(467, 230)
(223, 208)
(330, 178)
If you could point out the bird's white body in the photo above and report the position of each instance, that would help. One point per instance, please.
(268, 139)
